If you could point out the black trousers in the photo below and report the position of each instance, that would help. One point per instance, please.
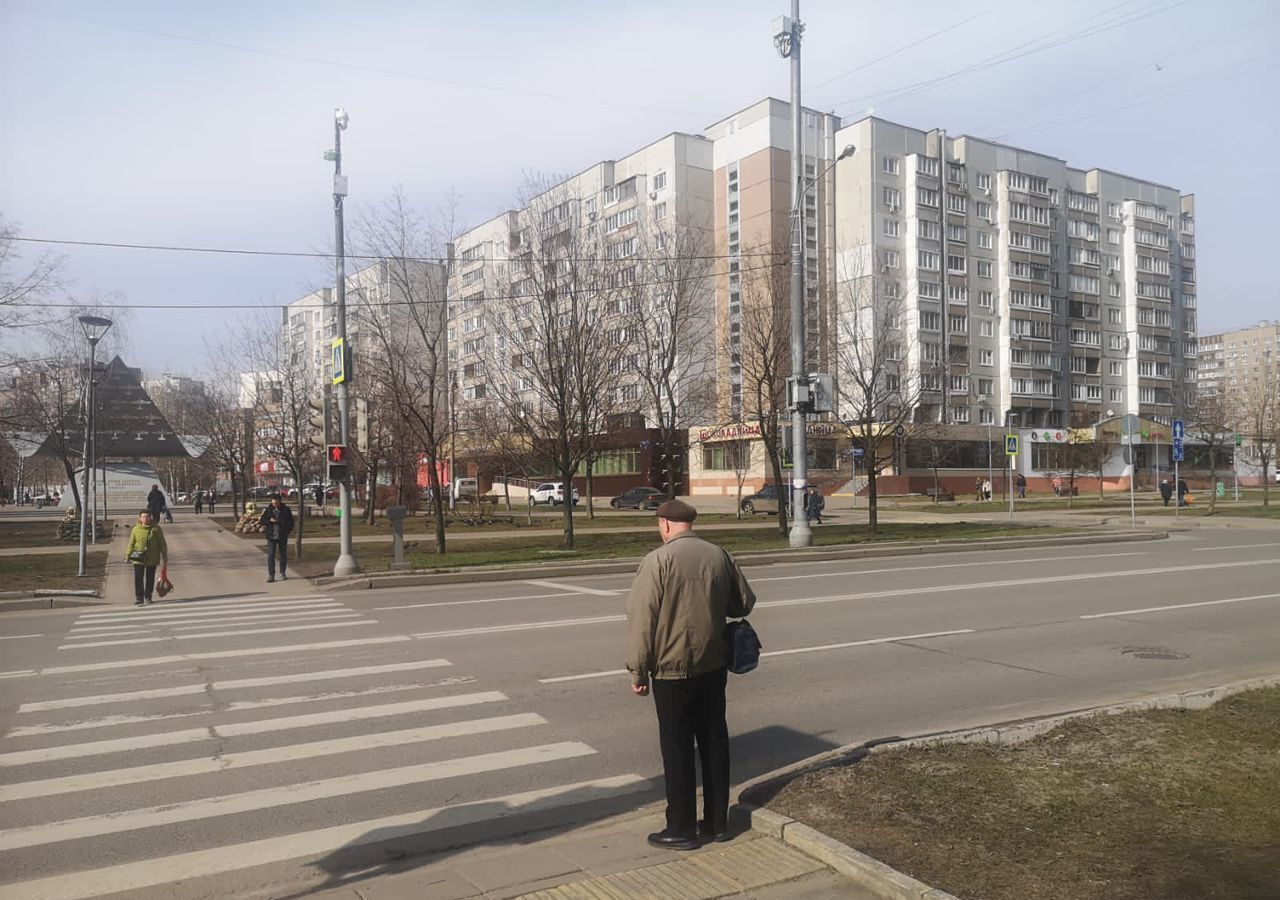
(691, 711)
(282, 548)
(144, 582)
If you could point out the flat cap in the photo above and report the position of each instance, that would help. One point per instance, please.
(677, 511)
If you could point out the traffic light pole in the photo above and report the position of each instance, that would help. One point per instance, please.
(346, 564)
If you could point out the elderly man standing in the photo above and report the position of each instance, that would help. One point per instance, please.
(676, 615)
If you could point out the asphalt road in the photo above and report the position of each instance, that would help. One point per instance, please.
(256, 745)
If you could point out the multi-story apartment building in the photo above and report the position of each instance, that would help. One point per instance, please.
(753, 234)
(1029, 291)
(1237, 362)
(650, 206)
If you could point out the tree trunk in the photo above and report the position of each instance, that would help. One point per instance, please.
(873, 509)
(783, 494)
(568, 495)
(1213, 479)
(566, 481)
(302, 518)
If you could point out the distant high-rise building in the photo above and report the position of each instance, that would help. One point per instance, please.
(1237, 362)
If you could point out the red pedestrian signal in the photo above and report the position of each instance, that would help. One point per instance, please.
(337, 453)
(337, 458)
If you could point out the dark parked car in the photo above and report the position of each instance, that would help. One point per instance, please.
(638, 498)
(764, 500)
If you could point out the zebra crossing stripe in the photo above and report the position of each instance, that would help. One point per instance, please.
(270, 798)
(234, 729)
(192, 605)
(233, 684)
(219, 860)
(213, 634)
(183, 768)
(151, 614)
(212, 654)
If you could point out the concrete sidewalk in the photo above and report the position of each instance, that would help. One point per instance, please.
(205, 562)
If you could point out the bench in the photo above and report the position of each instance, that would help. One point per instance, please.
(939, 495)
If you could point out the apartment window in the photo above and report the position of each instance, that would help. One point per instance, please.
(1113, 210)
(1116, 395)
(891, 228)
(890, 165)
(932, 352)
(957, 203)
(985, 416)
(930, 321)
(620, 220)
(984, 268)
(1115, 316)
(986, 299)
(929, 290)
(927, 259)
(1113, 236)
(957, 293)
(1114, 290)
(986, 328)
(475, 323)
(926, 196)
(957, 233)
(1117, 342)
(982, 210)
(660, 211)
(960, 415)
(985, 240)
(928, 230)
(927, 165)
(659, 181)
(892, 259)
(892, 198)
(986, 358)
(956, 264)
(984, 387)
(959, 324)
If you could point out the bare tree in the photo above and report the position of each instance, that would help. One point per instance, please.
(24, 288)
(1215, 429)
(1257, 410)
(765, 359)
(671, 332)
(546, 359)
(405, 341)
(877, 390)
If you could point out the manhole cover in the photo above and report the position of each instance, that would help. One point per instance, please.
(1152, 653)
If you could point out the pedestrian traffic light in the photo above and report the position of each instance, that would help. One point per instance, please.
(319, 418)
(337, 461)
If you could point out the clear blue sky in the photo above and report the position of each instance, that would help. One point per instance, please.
(204, 124)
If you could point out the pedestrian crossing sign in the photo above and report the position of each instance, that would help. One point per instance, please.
(1010, 445)
(339, 360)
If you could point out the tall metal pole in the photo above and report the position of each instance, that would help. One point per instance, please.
(788, 43)
(93, 452)
(346, 564)
(84, 490)
(990, 416)
(453, 440)
(1133, 467)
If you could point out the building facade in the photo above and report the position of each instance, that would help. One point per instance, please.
(1030, 291)
(1234, 362)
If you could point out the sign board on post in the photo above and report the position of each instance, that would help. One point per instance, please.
(1179, 430)
(339, 360)
(859, 453)
(1177, 449)
(1010, 445)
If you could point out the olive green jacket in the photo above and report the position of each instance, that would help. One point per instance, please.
(677, 607)
(151, 539)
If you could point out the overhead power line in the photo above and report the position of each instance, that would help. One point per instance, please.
(560, 292)
(319, 254)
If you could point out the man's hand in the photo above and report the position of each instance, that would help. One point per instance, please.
(640, 690)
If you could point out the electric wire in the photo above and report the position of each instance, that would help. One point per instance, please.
(430, 301)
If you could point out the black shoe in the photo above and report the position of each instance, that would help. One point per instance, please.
(719, 837)
(138, 602)
(669, 841)
(270, 579)
(148, 601)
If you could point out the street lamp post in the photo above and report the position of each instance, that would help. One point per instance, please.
(94, 328)
(990, 418)
(346, 564)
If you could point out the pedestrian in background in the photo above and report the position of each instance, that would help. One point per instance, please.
(814, 503)
(213, 495)
(147, 549)
(977, 489)
(676, 612)
(1166, 491)
(277, 524)
(155, 503)
(199, 502)
(1022, 486)
(986, 488)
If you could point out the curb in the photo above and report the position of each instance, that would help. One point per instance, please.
(618, 567)
(885, 881)
(48, 599)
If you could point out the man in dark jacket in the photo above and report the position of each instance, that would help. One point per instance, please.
(277, 523)
(676, 614)
(155, 504)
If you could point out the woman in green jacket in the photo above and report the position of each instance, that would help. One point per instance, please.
(146, 550)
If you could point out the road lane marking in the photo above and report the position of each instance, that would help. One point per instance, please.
(791, 651)
(1235, 547)
(575, 589)
(18, 673)
(232, 684)
(183, 606)
(213, 654)
(17, 637)
(1151, 609)
(149, 615)
(250, 620)
(215, 634)
(468, 602)
(271, 798)
(521, 626)
(233, 707)
(235, 729)
(219, 860)
(985, 563)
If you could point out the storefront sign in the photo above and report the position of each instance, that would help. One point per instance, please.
(1050, 436)
(751, 431)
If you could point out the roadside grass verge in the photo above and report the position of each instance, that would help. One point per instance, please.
(18, 534)
(1170, 804)
(52, 571)
(319, 559)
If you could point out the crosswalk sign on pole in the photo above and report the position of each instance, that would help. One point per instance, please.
(339, 361)
(1177, 449)
(1010, 445)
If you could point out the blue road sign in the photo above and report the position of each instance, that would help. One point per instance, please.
(1177, 449)
(858, 453)
(1179, 431)
(1011, 445)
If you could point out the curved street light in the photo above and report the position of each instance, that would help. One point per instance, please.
(94, 328)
